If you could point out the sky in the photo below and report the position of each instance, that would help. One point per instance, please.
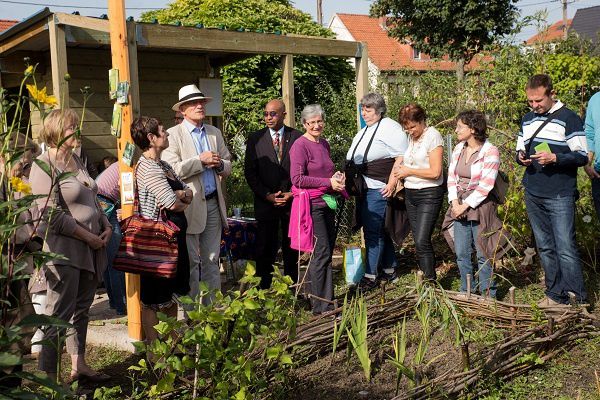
(16, 9)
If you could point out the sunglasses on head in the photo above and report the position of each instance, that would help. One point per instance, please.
(270, 114)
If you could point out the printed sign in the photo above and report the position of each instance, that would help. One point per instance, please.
(127, 193)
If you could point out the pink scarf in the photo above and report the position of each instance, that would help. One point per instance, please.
(301, 225)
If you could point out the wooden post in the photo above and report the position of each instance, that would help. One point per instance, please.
(420, 278)
(120, 49)
(469, 285)
(134, 88)
(465, 359)
(287, 89)
(58, 61)
(362, 77)
(511, 299)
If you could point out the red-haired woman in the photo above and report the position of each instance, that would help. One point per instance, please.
(423, 181)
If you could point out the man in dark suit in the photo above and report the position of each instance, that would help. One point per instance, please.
(267, 171)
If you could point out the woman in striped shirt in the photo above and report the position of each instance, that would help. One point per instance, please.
(471, 177)
(159, 188)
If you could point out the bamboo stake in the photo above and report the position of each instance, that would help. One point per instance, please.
(511, 296)
(550, 325)
(469, 285)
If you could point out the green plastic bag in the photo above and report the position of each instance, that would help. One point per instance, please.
(331, 201)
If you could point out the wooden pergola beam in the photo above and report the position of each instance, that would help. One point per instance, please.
(58, 61)
(213, 40)
(362, 77)
(187, 38)
(97, 24)
(287, 89)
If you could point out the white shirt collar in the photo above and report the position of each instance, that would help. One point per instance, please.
(273, 132)
(556, 106)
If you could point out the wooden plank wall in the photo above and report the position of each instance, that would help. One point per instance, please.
(161, 75)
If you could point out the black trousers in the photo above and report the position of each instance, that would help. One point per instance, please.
(319, 268)
(423, 207)
(269, 238)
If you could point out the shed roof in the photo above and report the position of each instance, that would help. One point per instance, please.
(222, 46)
(587, 23)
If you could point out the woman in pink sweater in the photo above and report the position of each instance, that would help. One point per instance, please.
(313, 175)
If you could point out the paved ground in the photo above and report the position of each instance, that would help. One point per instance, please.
(106, 328)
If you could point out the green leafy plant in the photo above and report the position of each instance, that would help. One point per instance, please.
(18, 320)
(357, 333)
(229, 349)
(338, 330)
(399, 343)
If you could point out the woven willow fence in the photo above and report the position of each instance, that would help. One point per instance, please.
(543, 330)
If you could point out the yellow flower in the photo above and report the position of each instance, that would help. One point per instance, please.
(29, 71)
(40, 96)
(18, 185)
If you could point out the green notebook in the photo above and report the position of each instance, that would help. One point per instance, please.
(542, 147)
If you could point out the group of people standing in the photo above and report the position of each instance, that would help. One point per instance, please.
(395, 170)
(393, 167)
(293, 177)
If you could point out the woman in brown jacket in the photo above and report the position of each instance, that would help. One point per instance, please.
(75, 227)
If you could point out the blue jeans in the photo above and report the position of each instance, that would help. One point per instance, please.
(114, 280)
(465, 238)
(379, 246)
(553, 224)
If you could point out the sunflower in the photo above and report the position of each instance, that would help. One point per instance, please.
(18, 185)
(40, 96)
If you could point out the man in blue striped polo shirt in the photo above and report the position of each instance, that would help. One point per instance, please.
(550, 182)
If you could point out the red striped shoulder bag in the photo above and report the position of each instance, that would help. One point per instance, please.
(148, 246)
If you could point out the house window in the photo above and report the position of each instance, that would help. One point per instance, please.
(416, 54)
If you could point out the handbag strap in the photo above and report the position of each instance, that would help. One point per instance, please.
(539, 129)
(368, 145)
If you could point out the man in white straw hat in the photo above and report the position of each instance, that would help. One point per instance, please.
(198, 153)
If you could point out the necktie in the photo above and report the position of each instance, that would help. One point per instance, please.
(276, 145)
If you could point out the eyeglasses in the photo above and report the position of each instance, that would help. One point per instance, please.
(312, 124)
(270, 114)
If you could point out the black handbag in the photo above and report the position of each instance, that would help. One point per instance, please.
(355, 183)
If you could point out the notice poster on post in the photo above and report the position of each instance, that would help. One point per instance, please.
(115, 125)
(127, 192)
(113, 82)
(127, 156)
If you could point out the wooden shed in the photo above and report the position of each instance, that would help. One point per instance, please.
(162, 57)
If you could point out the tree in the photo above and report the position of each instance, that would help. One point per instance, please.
(457, 28)
(249, 84)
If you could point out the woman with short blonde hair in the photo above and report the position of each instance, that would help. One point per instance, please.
(74, 226)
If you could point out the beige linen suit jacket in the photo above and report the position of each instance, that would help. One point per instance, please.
(183, 157)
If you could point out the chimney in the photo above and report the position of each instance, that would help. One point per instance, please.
(383, 22)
